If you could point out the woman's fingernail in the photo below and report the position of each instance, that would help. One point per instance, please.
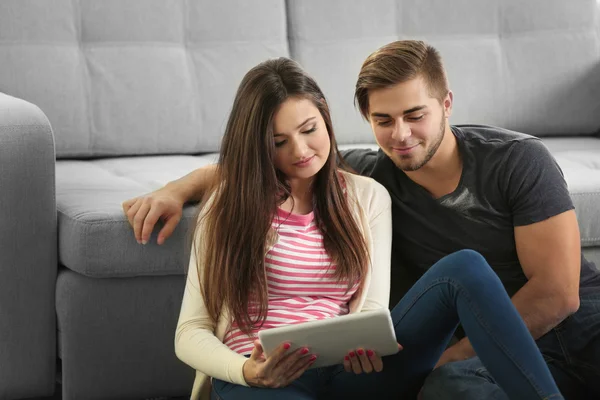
(347, 358)
(312, 358)
(351, 354)
(370, 353)
(360, 352)
(286, 346)
(304, 350)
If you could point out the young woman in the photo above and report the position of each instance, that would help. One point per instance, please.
(286, 235)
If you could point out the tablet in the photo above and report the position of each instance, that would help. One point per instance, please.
(332, 339)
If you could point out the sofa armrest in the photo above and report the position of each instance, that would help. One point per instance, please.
(28, 251)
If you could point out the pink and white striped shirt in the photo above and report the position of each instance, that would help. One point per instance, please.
(300, 280)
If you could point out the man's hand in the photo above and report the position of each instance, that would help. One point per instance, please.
(459, 352)
(143, 213)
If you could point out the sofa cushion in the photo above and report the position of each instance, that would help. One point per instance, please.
(138, 76)
(501, 57)
(95, 238)
(579, 159)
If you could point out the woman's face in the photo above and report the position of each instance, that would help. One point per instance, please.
(301, 139)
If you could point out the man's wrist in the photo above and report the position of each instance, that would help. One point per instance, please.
(465, 348)
(179, 190)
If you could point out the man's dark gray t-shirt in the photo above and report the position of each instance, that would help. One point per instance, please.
(509, 179)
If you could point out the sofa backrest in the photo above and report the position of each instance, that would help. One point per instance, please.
(122, 77)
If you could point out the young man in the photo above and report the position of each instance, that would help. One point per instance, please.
(459, 187)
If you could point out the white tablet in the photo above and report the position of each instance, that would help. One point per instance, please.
(331, 339)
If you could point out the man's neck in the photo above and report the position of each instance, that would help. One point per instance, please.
(441, 175)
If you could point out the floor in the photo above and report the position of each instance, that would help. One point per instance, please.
(58, 391)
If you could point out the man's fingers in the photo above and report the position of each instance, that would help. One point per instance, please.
(128, 203)
(132, 210)
(151, 219)
(138, 220)
(168, 228)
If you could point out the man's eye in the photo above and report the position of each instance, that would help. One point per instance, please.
(383, 123)
(420, 117)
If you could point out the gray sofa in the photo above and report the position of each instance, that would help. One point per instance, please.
(102, 101)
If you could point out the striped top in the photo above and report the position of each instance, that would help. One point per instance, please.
(300, 280)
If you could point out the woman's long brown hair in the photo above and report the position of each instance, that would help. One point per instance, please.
(236, 225)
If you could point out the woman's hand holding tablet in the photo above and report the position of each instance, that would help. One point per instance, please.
(332, 339)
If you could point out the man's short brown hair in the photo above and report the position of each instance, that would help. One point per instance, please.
(398, 62)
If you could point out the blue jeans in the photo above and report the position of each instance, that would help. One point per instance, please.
(572, 351)
(460, 287)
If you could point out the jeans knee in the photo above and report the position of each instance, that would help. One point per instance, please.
(468, 266)
(441, 383)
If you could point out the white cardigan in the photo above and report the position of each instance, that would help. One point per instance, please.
(199, 343)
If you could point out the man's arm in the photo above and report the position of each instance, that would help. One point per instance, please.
(192, 186)
(550, 255)
(166, 204)
(547, 240)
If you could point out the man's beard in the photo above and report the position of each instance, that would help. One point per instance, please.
(430, 152)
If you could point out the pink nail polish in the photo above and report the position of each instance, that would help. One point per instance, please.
(360, 352)
(347, 358)
(370, 353)
(312, 358)
(304, 351)
(351, 354)
(286, 346)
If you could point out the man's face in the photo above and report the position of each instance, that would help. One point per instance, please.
(408, 123)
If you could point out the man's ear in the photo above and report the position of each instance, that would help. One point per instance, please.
(447, 103)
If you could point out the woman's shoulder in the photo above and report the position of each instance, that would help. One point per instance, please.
(366, 188)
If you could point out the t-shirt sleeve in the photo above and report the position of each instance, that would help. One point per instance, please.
(362, 161)
(535, 185)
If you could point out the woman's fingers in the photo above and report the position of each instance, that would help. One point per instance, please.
(355, 362)
(376, 361)
(365, 363)
(300, 366)
(347, 364)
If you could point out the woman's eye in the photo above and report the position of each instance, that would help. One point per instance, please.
(311, 130)
(279, 144)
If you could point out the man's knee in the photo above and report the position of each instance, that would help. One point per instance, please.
(463, 380)
(440, 383)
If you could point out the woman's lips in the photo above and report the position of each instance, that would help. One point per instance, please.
(304, 163)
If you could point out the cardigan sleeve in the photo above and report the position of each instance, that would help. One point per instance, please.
(195, 340)
(378, 210)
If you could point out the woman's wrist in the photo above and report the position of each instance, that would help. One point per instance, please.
(248, 373)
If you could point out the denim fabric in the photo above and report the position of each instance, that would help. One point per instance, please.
(460, 287)
(572, 351)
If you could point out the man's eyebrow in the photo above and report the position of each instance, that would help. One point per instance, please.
(298, 127)
(410, 110)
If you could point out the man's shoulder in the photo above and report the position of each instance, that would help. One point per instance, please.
(490, 136)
